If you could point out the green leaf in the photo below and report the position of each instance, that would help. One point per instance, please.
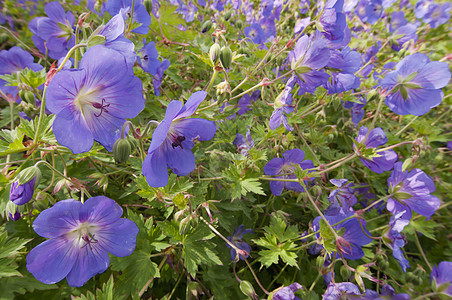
(328, 237)
(427, 227)
(252, 185)
(10, 247)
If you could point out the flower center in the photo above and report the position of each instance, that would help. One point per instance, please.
(87, 102)
(84, 235)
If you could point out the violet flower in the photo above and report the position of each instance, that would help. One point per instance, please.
(287, 292)
(283, 106)
(55, 32)
(394, 239)
(140, 14)
(81, 235)
(337, 291)
(371, 157)
(415, 85)
(237, 240)
(283, 165)
(411, 191)
(173, 140)
(442, 275)
(244, 144)
(93, 101)
(343, 195)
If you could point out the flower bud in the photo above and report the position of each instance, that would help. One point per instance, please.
(247, 288)
(29, 97)
(226, 57)
(148, 6)
(345, 273)
(132, 141)
(214, 53)
(29, 174)
(239, 24)
(12, 211)
(372, 95)
(227, 15)
(206, 26)
(121, 150)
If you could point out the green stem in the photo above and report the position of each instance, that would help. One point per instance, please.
(406, 126)
(131, 17)
(426, 296)
(212, 79)
(418, 244)
(145, 287)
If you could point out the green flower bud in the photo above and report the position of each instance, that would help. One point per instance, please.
(121, 150)
(239, 24)
(247, 288)
(227, 15)
(22, 94)
(214, 53)
(206, 26)
(373, 95)
(28, 174)
(29, 97)
(41, 202)
(3, 38)
(148, 5)
(132, 141)
(345, 273)
(226, 57)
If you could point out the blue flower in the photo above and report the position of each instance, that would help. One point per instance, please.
(255, 33)
(173, 140)
(442, 275)
(287, 292)
(437, 14)
(124, 7)
(337, 291)
(284, 165)
(375, 160)
(415, 85)
(93, 102)
(55, 32)
(237, 240)
(343, 195)
(283, 106)
(148, 59)
(243, 144)
(21, 194)
(80, 238)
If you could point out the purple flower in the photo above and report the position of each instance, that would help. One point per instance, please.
(55, 32)
(13, 60)
(21, 194)
(333, 21)
(408, 33)
(284, 165)
(375, 160)
(246, 101)
(437, 14)
(243, 144)
(287, 292)
(395, 240)
(237, 240)
(283, 106)
(157, 78)
(387, 292)
(148, 59)
(353, 237)
(93, 101)
(356, 109)
(442, 275)
(337, 291)
(343, 195)
(411, 191)
(173, 140)
(369, 11)
(81, 235)
(415, 85)
(255, 33)
(140, 14)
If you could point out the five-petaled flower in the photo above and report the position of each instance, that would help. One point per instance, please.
(80, 238)
(173, 140)
(93, 101)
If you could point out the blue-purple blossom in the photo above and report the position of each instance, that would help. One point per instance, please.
(237, 240)
(148, 59)
(343, 64)
(356, 109)
(287, 292)
(415, 85)
(283, 106)
(93, 101)
(21, 194)
(366, 147)
(243, 144)
(369, 11)
(255, 33)
(54, 34)
(337, 291)
(442, 275)
(173, 140)
(343, 195)
(411, 191)
(353, 237)
(158, 77)
(333, 21)
(387, 292)
(246, 102)
(394, 238)
(81, 235)
(285, 165)
(13, 60)
(437, 14)
(408, 33)
(140, 14)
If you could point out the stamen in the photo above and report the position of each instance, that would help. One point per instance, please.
(178, 142)
(89, 239)
(102, 106)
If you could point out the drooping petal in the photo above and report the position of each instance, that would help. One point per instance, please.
(181, 161)
(91, 260)
(118, 238)
(425, 205)
(155, 168)
(276, 118)
(161, 132)
(58, 220)
(101, 211)
(277, 187)
(52, 260)
(72, 133)
(55, 12)
(434, 75)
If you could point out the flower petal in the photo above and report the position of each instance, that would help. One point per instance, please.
(293, 156)
(274, 166)
(194, 128)
(119, 238)
(192, 104)
(58, 220)
(101, 211)
(155, 168)
(181, 161)
(161, 132)
(52, 260)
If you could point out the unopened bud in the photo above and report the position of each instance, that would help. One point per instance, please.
(41, 202)
(28, 174)
(239, 24)
(214, 53)
(226, 57)
(247, 288)
(227, 15)
(121, 150)
(148, 6)
(345, 273)
(206, 26)
(12, 211)
(372, 95)
(29, 97)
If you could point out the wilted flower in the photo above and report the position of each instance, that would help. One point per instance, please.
(173, 140)
(237, 240)
(93, 101)
(80, 238)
